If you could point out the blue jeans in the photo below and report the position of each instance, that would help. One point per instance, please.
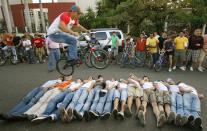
(124, 60)
(95, 100)
(141, 56)
(53, 103)
(109, 101)
(63, 104)
(78, 99)
(177, 103)
(62, 37)
(121, 95)
(100, 105)
(89, 100)
(27, 102)
(155, 57)
(54, 55)
(191, 105)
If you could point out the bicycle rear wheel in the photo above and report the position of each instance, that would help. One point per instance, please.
(100, 61)
(63, 68)
(157, 67)
(88, 60)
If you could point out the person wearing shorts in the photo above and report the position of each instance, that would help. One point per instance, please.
(203, 54)
(114, 46)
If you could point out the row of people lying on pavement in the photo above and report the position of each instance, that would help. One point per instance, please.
(92, 99)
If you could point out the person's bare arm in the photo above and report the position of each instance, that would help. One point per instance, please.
(82, 28)
(184, 91)
(92, 85)
(64, 28)
(76, 88)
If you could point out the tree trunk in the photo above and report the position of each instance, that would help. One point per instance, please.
(42, 16)
(6, 15)
(27, 16)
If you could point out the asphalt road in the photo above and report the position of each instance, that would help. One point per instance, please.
(17, 81)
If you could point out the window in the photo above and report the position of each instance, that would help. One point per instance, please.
(101, 35)
(117, 33)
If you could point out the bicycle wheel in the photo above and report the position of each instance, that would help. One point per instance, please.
(13, 60)
(3, 59)
(87, 60)
(149, 61)
(63, 68)
(158, 66)
(99, 59)
(120, 58)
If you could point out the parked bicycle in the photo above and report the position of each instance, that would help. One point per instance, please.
(4, 58)
(163, 59)
(148, 60)
(89, 55)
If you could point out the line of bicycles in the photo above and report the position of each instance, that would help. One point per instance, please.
(11, 57)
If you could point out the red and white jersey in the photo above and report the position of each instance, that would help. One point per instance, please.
(64, 17)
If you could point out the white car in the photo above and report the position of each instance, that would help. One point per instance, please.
(103, 35)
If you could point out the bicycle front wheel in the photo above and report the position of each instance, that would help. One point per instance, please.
(99, 59)
(88, 60)
(157, 67)
(63, 68)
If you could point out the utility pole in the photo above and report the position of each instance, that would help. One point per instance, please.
(42, 16)
(27, 16)
(6, 15)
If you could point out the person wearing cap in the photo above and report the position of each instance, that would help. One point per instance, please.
(60, 31)
(120, 94)
(104, 105)
(134, 90)
(168, 46)
(191, 104)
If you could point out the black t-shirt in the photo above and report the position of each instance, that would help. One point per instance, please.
(161, 41)
(16, 40)
(102, 84)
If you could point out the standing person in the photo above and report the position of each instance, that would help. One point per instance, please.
(156, 35)
(128, 52)
(18, 44)
(38, 44)
(162, 39)
(152, 43)
(195, 45)
(29, 51)
(181, 45)
(203, 54)
(140, 49)
(60, 31)
(53, 51)
(168, 46)
(131, 39)
(114, 46)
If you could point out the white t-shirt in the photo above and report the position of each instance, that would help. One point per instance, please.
(74, 85)
(88, 84)
(51, 82)
(187, 87)
(161, 86)
(110, 83)
(132, 84)
(147, 85)
(122, 85)
(26, 43)
(174, 88)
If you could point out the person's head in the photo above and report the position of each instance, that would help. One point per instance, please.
(182, 34)
(146, 78)
(113, 79)
(151, 35)
(100, 77)
(141, 35)
(68, 78)
(114, 33)
(78, 80)
(164, 34)
(128, 41)
(169, 39)
(24, 38)
(36, 35)
(129, 36)
(170, 81)
(201, 96)
(197, 32)
(131, 75)
(61, 78)
(93, 35)
(90, 78)
(75, 11)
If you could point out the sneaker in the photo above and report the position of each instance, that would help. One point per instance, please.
(127, 112)
(191, 68)
(200, 69)
(190, 119)
(183, 68)
(197, 123)
(184, 121)
(171, 117)
(161, 120)
(63, 114)
(93, 114)
(115, 112)
(106, 116)
(39, 119)
(120, 115)
(178, 120)
(78, 115)
(52, 117)
(170, 70)
(87, 116)
(44, 61)
(141, 117)
(70, 115)
(174, 67)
